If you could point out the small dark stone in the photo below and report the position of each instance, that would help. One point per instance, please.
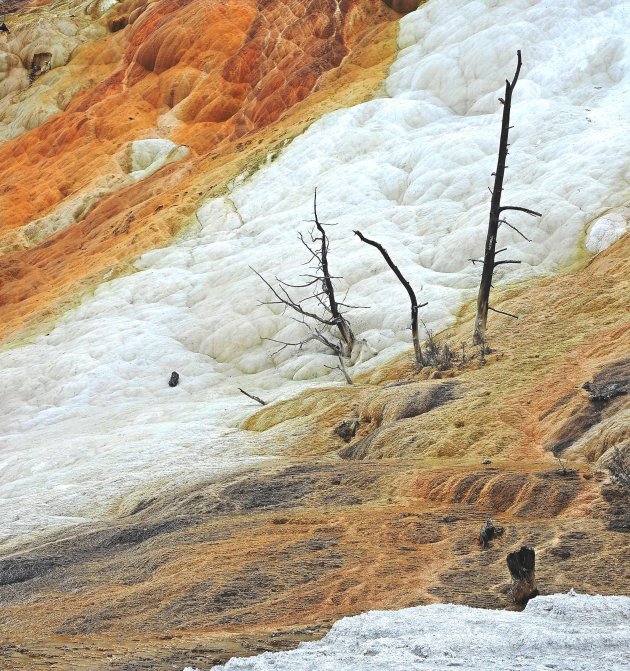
(174, 381)
(118, 24)
(485, 462)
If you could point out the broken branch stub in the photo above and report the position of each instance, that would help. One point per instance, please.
(254, 398)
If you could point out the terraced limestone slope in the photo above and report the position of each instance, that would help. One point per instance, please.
(151, 154)
(208, 89)
(269, 557)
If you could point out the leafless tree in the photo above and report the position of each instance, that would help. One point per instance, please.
(497, 217)
(412, 295)
(321, 312)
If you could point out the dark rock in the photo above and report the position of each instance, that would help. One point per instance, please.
(605, 392)
(118, 24)
(174, 381)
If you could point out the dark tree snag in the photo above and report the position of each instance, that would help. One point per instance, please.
(522, 567)
(347, 336)
(325, 311)
(174, 381)
(495, 220)
(488, 532)
(254, 398)
(412, 296)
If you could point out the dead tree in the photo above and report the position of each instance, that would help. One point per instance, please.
(412, 296)
(321, 312)
(497, 217)
(522, 567)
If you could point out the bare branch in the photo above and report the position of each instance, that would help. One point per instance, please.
(507, 314)
(288, 302)
(254, 398)
(507, 223)
(520, 209)
(518, 70)
(500, 263)
(342, 368)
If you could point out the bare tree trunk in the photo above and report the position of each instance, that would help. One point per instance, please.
(410, 292)
(479, 333)
(347, 336)
(327, 311)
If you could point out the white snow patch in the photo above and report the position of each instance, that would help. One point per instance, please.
(565, 632)
(607, 229)
(88, 419)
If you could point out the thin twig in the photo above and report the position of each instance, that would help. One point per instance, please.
(254, 398)
(507, 314)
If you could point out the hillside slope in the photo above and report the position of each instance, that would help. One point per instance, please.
(269, 557)
(154, 154)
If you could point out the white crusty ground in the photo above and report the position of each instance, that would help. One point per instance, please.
(563, 632)
(88, 424)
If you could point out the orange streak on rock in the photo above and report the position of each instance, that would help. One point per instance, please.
(208, 74)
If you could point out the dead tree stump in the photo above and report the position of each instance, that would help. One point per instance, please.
(522, 566)
(487, 532)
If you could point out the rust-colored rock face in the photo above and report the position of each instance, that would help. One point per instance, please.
(227, 79)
